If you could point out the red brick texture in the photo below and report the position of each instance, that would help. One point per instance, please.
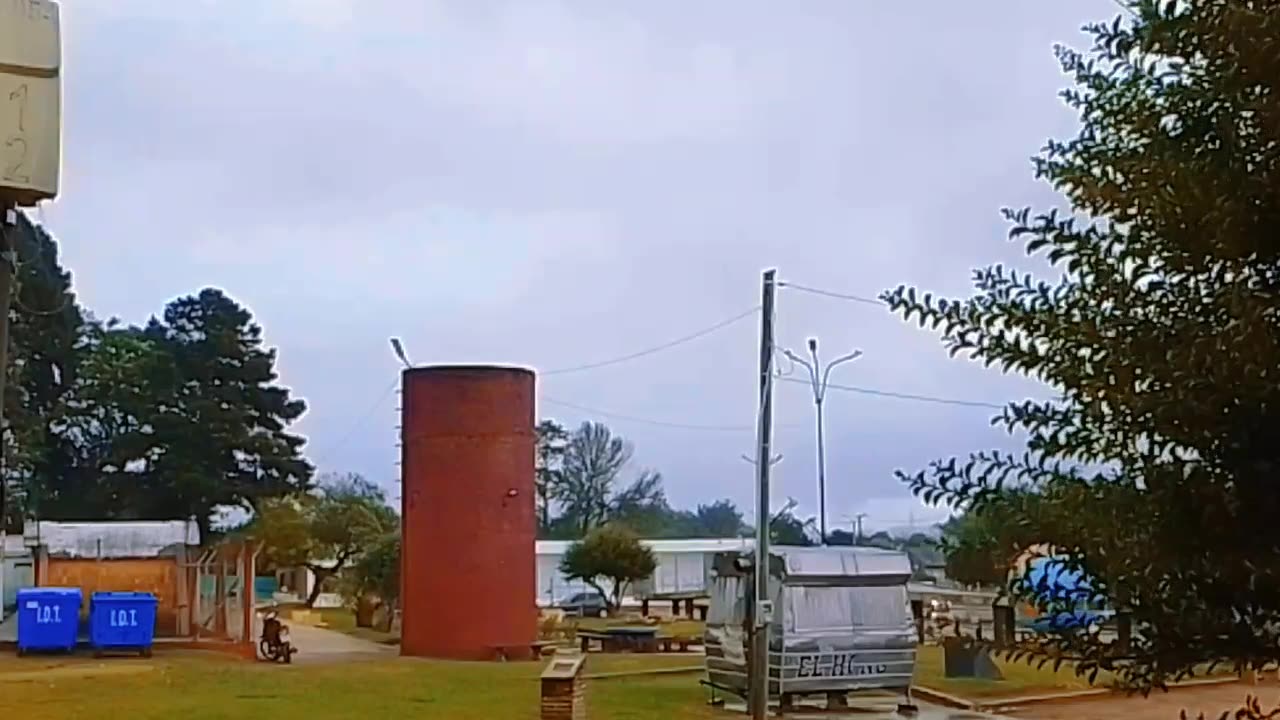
(564, 699)
(467, 567)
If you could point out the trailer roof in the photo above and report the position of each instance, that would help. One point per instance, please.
(842, 562)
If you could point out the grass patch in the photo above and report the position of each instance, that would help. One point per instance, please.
(203, 688)
(1019, 678)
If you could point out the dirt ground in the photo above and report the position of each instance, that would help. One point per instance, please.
(1212, 700)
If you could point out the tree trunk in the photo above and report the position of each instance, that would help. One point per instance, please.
(321, 576)
(366, 606)
(619, 589)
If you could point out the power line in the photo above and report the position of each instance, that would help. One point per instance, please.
(647, 421)
(658, 348)
(833, 294)
(351, 431)
(901, 396)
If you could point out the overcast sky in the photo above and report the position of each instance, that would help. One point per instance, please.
(558, 183)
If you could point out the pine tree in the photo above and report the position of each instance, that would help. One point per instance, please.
(225, 432)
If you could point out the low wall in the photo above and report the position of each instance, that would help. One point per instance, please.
(158, 576)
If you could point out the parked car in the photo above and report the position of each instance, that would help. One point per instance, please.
(585, 604)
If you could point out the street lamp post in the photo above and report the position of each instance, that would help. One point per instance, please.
(818, 377)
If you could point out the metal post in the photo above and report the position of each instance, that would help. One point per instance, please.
(818, 378)
(822, 478)
(758, 699)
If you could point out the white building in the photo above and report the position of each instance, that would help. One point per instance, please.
(17, 570)
(684, 568)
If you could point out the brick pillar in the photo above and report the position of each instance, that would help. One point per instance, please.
(1005, 626)
(564, 691)
(1124, 632)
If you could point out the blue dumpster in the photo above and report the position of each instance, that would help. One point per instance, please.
(48, 619)
(122, 621)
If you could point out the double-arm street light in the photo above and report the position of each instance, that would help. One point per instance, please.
(818, 377)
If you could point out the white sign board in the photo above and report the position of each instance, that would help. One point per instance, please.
(30, 100)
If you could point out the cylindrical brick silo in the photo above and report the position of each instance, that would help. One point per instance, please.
(467, 552)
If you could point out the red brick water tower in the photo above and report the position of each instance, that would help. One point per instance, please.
(467, 559)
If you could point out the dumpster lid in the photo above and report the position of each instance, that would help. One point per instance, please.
(122, 597)
(59, 591)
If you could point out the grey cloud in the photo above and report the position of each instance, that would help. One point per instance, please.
(558, 182)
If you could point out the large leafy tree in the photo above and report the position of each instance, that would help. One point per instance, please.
(551, 443)
(104, 444)
(593, 462)
(1153, 465)
(642, 505)
(224, 434)
(373, 581)
(588, 489)
(975, 548)
(787, 528)
(325, 531)
(46, 326)
(720, 519)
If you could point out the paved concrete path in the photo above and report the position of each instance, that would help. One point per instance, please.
(318, 645)
(1212, 700)
(880, 712)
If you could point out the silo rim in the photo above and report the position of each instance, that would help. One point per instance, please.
(483, 367)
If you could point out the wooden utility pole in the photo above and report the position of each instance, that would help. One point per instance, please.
(8, 231)
(762, 608)
(8, 228)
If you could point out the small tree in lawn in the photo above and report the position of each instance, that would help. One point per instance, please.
(611, 553)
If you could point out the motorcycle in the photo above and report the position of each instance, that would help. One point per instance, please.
(275, 645)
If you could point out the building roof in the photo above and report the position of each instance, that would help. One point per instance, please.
(694, 545)
(111, 540)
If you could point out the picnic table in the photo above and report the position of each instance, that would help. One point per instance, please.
(633, 639)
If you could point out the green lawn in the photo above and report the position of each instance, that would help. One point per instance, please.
(1019, 678)
(197, 686)
(200, 688)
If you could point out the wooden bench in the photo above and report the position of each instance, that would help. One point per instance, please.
(615, 642)
(531, 651)
(678, 643)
